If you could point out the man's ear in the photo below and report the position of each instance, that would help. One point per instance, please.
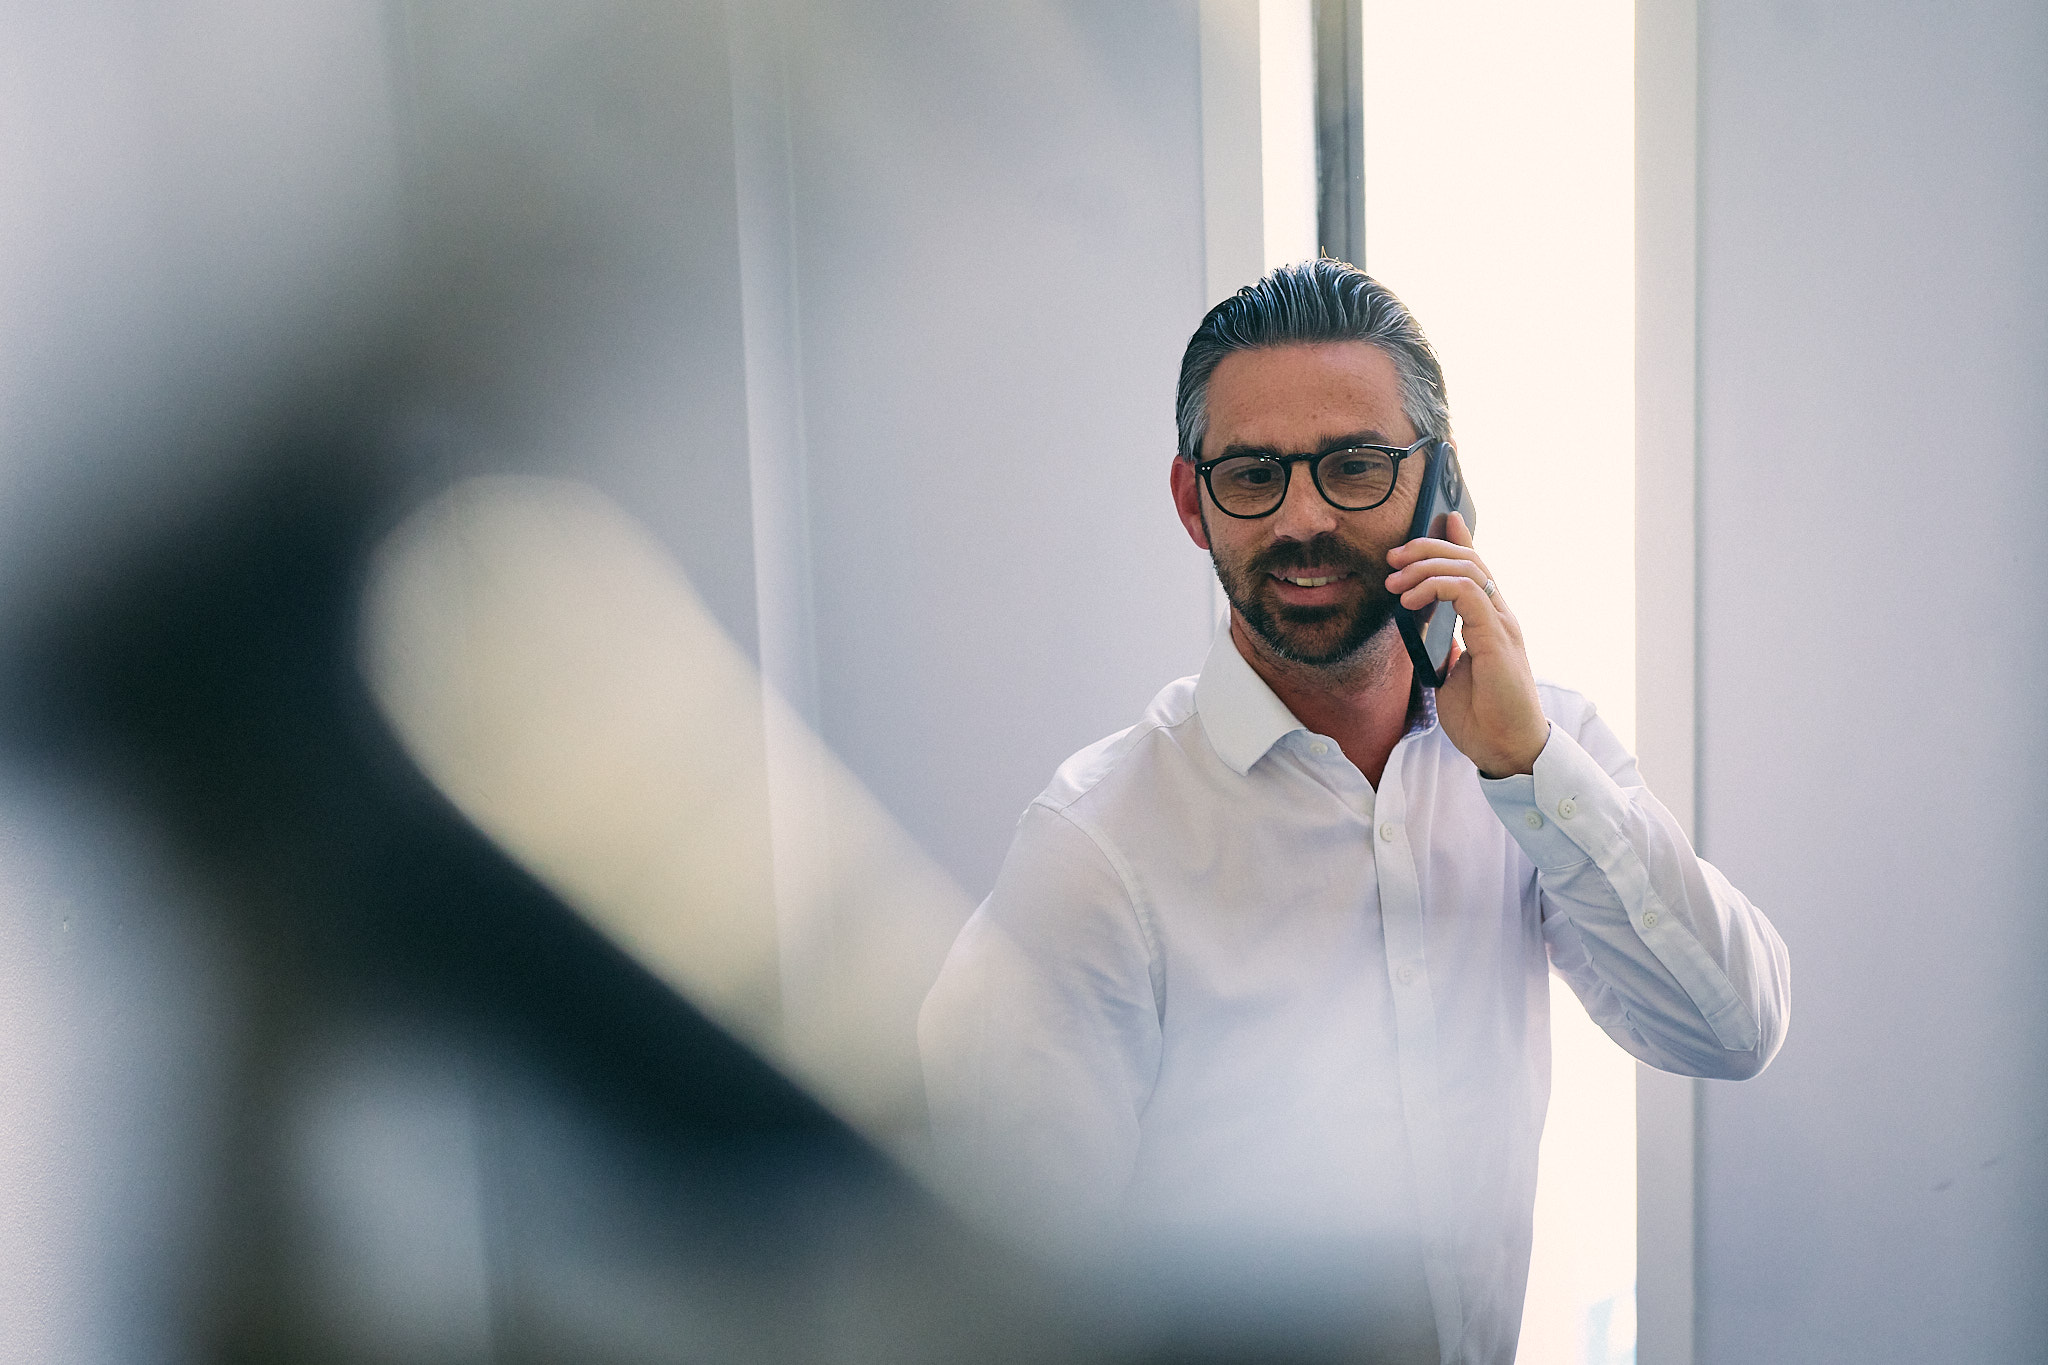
(1187, 501)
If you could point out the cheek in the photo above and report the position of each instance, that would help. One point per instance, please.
(1230, 542)
(1382, 531)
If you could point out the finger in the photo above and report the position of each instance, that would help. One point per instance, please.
(1402, 578)
(1401, 581)
(1456, 530)
(1488, 626)
(1429, 547)
(1459, 589)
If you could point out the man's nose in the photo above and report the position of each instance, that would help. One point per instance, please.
(1304, 513)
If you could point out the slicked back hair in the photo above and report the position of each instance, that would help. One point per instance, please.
(1313, 301)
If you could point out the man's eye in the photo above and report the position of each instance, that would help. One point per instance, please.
(1252, 476)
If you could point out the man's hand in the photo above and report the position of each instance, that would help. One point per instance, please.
(1488, 704)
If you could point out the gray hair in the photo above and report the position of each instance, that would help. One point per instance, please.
(1313, 301)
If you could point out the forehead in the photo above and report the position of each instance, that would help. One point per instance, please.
(1293, 398)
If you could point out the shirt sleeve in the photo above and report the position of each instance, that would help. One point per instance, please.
(1668, 957)
(1040, 1040)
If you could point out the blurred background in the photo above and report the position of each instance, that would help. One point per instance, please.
(543, 548)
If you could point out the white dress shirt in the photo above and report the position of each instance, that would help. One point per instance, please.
(1225, 989)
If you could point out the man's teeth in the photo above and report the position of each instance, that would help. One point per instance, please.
(1312, 582)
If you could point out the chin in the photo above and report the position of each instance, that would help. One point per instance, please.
(1320, 653)
(1321, 637)
(1309, 639)
(1328, 642)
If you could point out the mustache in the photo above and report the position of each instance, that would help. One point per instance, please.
(1325, 551)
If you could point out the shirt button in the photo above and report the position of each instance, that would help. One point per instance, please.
(1649, 918)
(1533, 820)
(1407, 975)
(1387, 832)
(1567, 808)
(1319, 748)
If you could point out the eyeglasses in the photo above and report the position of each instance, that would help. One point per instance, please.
(1354, 479)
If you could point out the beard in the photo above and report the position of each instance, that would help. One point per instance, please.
(1318, 636)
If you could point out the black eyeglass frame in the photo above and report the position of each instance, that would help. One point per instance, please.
(1314, 460)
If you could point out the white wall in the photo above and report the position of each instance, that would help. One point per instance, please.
(998, 218)
(1874, 756)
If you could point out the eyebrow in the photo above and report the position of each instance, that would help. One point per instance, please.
(1368, 437)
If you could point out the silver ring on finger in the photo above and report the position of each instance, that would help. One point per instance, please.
(1490, 589)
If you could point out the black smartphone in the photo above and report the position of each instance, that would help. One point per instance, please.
(1427, 633)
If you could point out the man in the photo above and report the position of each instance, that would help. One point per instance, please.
(1272, 962)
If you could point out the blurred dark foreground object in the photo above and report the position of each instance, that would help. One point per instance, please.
(296, 270)
(458, 1124)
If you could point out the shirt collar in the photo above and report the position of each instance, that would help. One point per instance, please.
(1242, 716)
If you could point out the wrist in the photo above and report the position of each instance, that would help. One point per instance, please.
(1515, 762)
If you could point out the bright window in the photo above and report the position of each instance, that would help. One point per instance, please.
(1499, 192)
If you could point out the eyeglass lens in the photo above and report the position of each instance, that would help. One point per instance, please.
(1248, 485)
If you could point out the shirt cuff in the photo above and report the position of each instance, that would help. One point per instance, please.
(1555, 812)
